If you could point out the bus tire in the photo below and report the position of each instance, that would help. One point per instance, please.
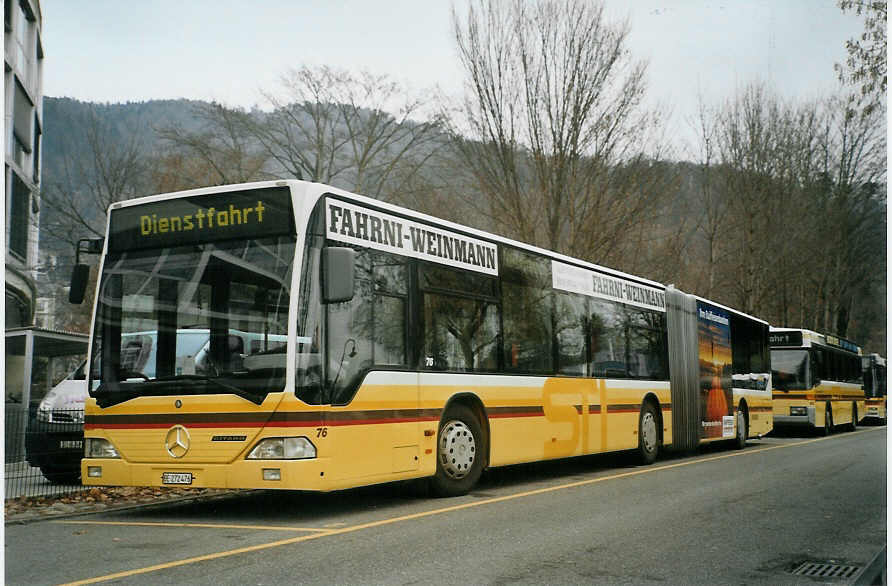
(459, 452)
(828, 420)
(648, 434)
(743, 428)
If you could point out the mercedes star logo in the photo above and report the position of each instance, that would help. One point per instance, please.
(177, 441)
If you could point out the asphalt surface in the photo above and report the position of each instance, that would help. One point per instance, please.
(718, 516)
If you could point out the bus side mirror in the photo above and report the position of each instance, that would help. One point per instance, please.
(81, 273)
(337, 274)
(79, 277)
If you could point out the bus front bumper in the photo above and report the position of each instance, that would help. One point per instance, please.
(805, 416)
(248, 474)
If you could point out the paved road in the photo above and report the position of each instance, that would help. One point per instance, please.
(729, 517)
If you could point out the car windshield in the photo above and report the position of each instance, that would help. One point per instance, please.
(194, 314)
(789, 369)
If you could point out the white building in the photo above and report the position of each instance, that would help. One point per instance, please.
(23, 109)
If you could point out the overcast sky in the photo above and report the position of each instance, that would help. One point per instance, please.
(115, 51)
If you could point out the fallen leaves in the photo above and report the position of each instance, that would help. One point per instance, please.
(102, 497)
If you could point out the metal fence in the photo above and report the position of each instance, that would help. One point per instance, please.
(43, 451)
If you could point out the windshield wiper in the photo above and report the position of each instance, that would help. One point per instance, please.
(248, 396)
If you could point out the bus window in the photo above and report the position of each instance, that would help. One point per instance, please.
(608, 339)
(526, 312)
(461, 320)
(648, 355)
(789, 369)
(459, 334)
(570, 312)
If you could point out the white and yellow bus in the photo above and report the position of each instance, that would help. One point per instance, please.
(415, 348)
(874, 367)
(817, 380)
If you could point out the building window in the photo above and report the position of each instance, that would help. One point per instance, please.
(24, 44)
(19, 217)
(18, 151)
(36, 154)
(23, 116)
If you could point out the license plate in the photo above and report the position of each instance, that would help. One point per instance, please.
(78, 444)
(176, 478)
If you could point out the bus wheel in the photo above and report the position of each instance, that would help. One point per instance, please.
(854, 416)
(742, 429)
(648, 434)
(459, 454)
(828, 420)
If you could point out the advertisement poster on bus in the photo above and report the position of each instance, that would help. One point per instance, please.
(714, 340)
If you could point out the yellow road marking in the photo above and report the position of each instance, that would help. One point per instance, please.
(480, 503)
(199, 525)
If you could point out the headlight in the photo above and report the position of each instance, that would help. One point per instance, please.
(283, 448)
(798, 410)
(43, 412)
(99, 448)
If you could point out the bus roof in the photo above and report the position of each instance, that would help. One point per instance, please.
(810, 337)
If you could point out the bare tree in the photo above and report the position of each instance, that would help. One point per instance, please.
(219, 152)
(803, 184)
(107, 164)
(865, 65)
(110, 166)
(354, 131)
(553, 122)
(851, 219)
(757, 144)
(711, 200)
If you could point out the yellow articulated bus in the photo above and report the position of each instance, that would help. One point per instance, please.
(874, 367)
(413, 348)
(817, 380)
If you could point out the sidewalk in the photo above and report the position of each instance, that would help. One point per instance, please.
(100, 499)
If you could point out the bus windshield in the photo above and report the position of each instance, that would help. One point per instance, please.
(202, 318)
(789, 369)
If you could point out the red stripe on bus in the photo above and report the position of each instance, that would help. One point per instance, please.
(236, 424)
(516, 414)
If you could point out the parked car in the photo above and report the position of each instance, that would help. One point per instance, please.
(54, 440)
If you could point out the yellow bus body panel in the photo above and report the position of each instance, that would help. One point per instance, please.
(387, 432)
(843, 399)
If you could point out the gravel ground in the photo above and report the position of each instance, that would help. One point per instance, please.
(27, 509)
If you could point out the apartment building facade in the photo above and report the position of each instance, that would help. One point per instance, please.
(23, 104)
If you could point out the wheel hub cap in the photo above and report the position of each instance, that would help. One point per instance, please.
(457, 449)
(648, 432)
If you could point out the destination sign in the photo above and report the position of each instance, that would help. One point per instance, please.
(842, 343)
(353, 224)
(255, 213)
(792, 338)
(585, 282)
